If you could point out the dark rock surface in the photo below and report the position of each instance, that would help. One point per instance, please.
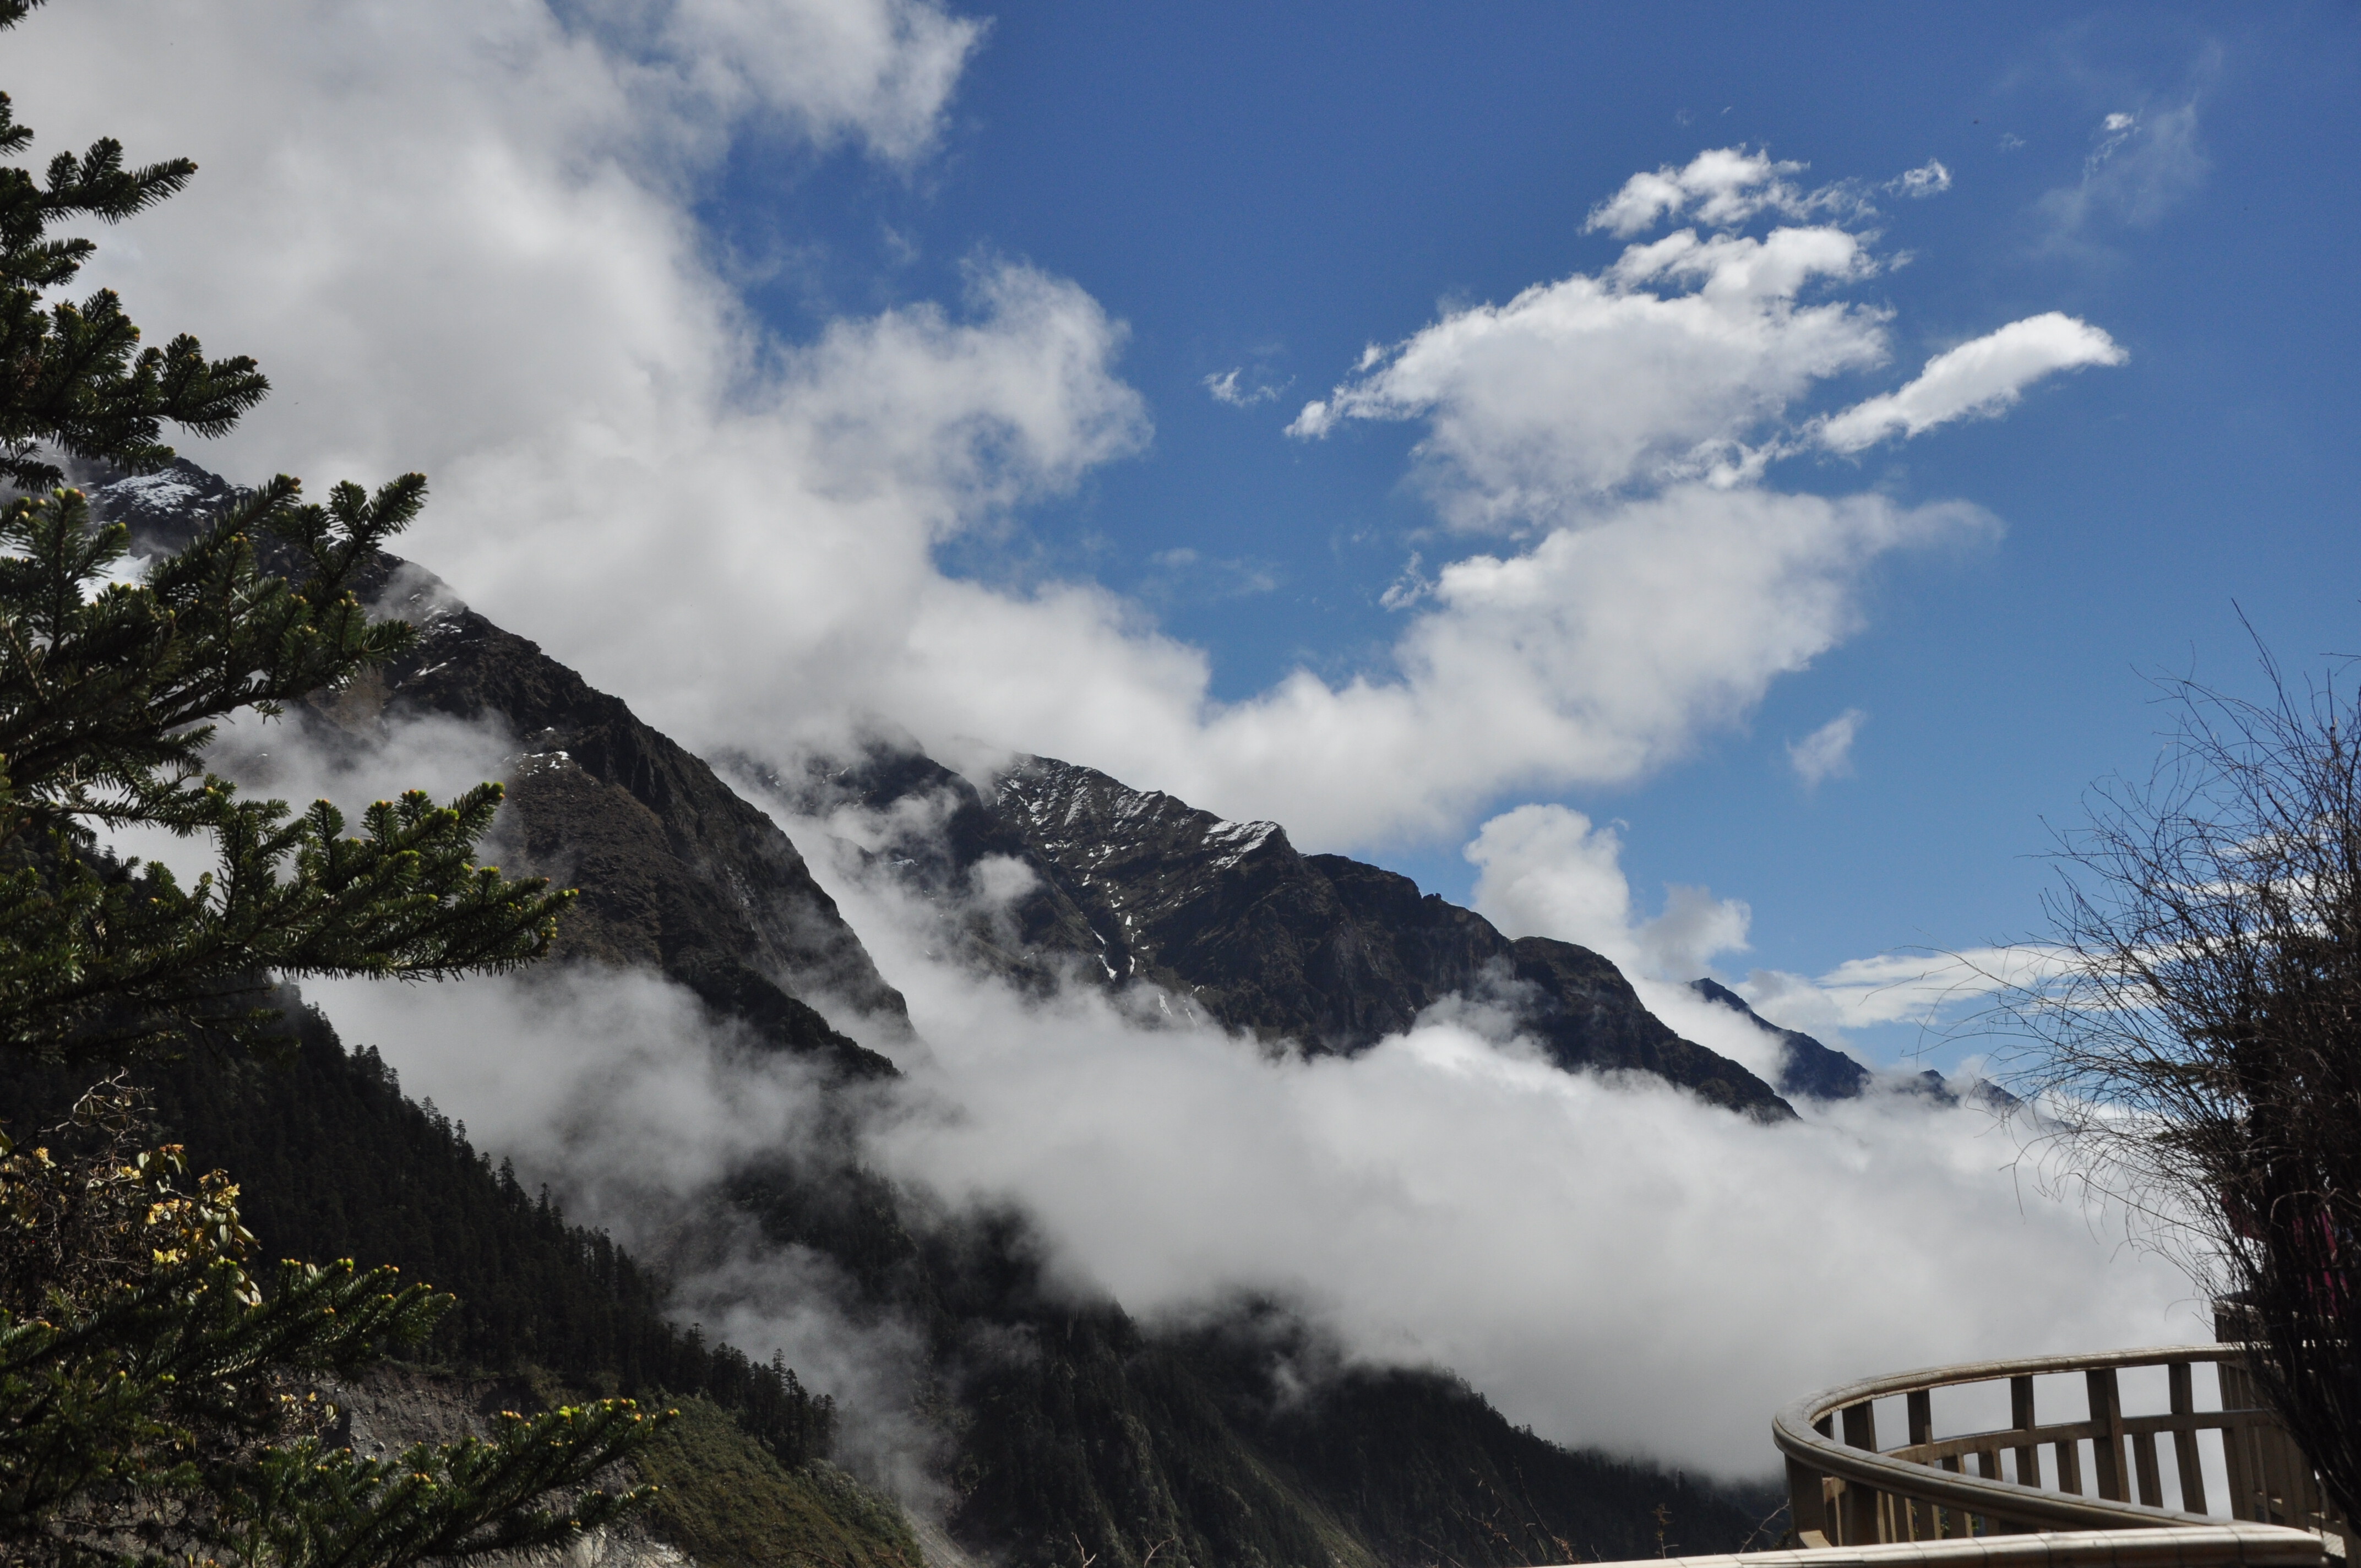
(1230, 920)
(676, 871)
(1321, 950)
(1805, 1066)
(943, 844)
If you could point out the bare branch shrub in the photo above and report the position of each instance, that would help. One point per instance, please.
(2196, 1042)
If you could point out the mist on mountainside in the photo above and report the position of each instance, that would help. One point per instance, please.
(1608, 1258)
(1196, 1158)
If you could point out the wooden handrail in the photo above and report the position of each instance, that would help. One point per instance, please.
(2216, 1545)
(1852, 1494)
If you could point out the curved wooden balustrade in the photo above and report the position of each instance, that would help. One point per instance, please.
(1846, 1492)
(2217, 1545)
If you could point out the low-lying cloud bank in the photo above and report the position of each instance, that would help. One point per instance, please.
(1608, 1260)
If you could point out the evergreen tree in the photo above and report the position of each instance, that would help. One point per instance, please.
(147, 1403)
(151, 1393)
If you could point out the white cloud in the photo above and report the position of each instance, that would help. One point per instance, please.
(1721, 187)
(1930, 179)
(1922, 988)
(449, 228)
(1207, 577)
(1597, 655)
(1826, 753)
(619, 1092)
(273, 759)
(464, 241)
(1567, 1245)
(1547, 870)
(1978, 380)
(1412, 586)
(1564, 1242)
(879, 70)
(657, 1104)
(1657, 369)
(1226, 389)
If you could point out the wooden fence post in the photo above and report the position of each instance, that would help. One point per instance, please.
(1859, 1510)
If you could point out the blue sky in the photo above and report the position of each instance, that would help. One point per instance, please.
(829, 246)
(1269, 189)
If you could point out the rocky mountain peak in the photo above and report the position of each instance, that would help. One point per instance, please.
(1069, 811)
(1805, 1067)
(677, 872)
(1230, 922)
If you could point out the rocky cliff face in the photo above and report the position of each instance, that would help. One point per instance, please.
(1230, 920)
(677, 872)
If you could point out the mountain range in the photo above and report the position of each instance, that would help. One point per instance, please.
(1064, 1431)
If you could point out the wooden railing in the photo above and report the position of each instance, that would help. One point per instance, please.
(2032, 1475)
(2217, 1545)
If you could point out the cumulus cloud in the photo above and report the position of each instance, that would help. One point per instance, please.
(444, 227)
(1562, 1240)
(1826, 753)
(1722, 188)
(1979, 380)
(1598, 655)
(467, 242)
(1655, 371)
(1547, 870)
(1567, 1245)
(1565, 1242)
